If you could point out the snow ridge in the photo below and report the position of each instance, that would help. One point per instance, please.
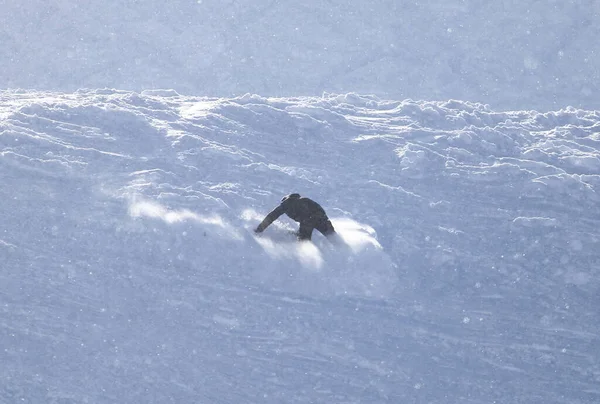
(131, 272)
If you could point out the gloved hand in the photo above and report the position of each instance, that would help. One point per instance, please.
(258, 230)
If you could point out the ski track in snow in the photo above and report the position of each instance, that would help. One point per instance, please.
(131, 274)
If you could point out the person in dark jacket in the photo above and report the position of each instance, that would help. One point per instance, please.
(304, 210)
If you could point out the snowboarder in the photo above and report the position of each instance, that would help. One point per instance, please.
(304, 210)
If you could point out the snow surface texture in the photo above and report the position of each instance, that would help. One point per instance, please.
(525, 54)
(130, 272)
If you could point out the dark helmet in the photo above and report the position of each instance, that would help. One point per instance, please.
(290, 196)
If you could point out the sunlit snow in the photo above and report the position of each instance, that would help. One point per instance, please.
(455, 145)
(517, 55)
(468, 270)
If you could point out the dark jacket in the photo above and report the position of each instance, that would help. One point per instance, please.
(301, 209)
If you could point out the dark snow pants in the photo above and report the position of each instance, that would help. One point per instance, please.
(322, 225)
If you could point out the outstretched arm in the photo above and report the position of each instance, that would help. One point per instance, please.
(270, 218)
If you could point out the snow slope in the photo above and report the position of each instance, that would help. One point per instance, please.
(526, 54)
(130, 272)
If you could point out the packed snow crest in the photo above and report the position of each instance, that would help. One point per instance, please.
(466, 262)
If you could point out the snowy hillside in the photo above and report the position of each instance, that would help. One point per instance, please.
(130, 272)
(525, 54)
